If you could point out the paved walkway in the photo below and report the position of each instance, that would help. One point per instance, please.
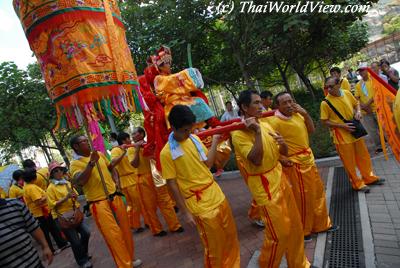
(383, 206)
(185, 249)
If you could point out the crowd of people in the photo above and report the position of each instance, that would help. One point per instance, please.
(272, 153)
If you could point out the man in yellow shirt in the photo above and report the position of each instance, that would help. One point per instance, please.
(344, 84)
(109, 211)
(259, 148)
(295, 124)
(36, 201)
(266, 99)
(3, 193)
(185, 165)
(16, 190)
(127, 178)
(352, 151)
(364, 93)
(151, 196)
(42, 173)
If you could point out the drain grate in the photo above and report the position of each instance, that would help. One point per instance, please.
(344, 247)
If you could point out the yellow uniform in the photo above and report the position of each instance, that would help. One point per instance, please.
(42, 178)
(253, 212)
(57, 192)
(127, 178)
(144, 194)
(269, 188)
(345, 85)
(32, 193)
(3, 194)
(164, 200)
(307, 186)
(353, 152)
(365, 91)
(16, 191)
(110, 216)
(206, 201)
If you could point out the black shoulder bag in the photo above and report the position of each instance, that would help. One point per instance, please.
(359, 128)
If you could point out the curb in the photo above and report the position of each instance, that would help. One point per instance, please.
(368, 241)
(319, 252)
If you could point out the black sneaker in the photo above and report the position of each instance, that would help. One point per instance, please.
(379, 181)
(161, 234)
(307, 238)
(179, 230)
(333, 228)
(365, 189)
(176, 209)
(139, 230)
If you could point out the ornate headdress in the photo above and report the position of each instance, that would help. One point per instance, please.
(163, 56)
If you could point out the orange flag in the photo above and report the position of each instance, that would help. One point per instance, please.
(386, 109)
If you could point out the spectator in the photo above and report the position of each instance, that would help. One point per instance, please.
(352, 76)
(16, 226)
(376, 69)
(266, 99)
(3, 193)
(230, 113)
(16, 189)
(352, 151)
(113, 139)
(36, 201)
(62, 198)
(365, 93)
(344, 83)
(42, 173)
(391, 73)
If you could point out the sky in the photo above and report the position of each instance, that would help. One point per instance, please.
(13, 44)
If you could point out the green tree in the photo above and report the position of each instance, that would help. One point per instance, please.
(26, 112)
(243, 47)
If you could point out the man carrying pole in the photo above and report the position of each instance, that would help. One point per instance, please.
(105, 202)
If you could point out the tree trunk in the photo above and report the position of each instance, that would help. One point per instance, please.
(282, 72)
(245, 74)
(306, 81)
(45, 152)
(60, 148)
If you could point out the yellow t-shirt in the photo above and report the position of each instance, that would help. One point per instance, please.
(3, 194)
(345, 85)
(144, 162)
(93, 189)
(295, 134)
(15, 191)
(56, 193)
(32, 192)
(126, 171)
(192, 174)
(361, 94)
(345, 105)
(243, 141)
(42, 178)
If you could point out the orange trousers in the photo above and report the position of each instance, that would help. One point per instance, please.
(166, 205)
(142, 198)
(283, 231)
(254, 213)
(133, 206)
(356, 155)
(218, 234)
(309, 194)
(114, 226)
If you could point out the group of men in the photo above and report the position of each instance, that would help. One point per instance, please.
(273, 155)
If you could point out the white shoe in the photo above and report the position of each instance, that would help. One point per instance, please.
(137, 263)
(259, 223)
